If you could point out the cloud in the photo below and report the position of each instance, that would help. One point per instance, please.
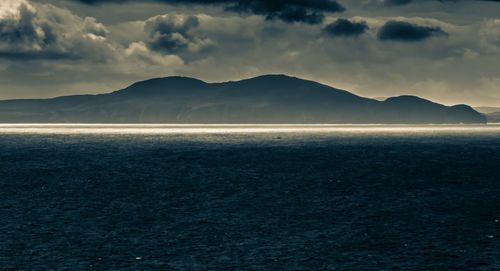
(489, 34)
(19, 31)
(175, 34)
(406, 2)
(305, 11)
(141, 56)
(396, 2)
(91, 26)
(408, 32)
(50, 51)
(345, 28)
(47, 32)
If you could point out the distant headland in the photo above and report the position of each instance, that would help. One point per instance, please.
(267, 99)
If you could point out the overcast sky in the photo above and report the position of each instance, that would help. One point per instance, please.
(447, 51)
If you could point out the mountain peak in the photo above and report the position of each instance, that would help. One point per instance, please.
(406, 98)
(275, 77)
(176, 80)
(162, 85)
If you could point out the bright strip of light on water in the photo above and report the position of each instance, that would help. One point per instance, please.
(238, 128)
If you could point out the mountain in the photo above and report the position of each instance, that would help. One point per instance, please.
(264, 99)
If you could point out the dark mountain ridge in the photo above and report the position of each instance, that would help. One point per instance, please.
(263, 99)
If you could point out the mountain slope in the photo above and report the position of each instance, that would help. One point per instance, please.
(264, 99)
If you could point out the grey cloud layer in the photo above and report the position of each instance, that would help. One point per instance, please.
(405, 2)
(306, 11)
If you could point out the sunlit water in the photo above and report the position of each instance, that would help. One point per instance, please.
(240, 128)
(249, 197)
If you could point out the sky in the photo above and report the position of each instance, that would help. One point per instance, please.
(444, 50)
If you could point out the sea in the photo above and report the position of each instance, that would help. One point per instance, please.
(249, 197)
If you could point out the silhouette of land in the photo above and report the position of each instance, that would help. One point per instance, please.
(266, 99)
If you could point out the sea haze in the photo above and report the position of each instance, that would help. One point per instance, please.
(249, 197)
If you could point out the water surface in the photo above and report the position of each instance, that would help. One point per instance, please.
(249, 197)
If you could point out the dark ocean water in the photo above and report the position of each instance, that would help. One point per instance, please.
(349, 200)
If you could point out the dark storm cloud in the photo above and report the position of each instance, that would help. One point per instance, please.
(306, 11)
(179, 35)
(408, 32)
(22, 34)
(170, 34)
(345, 28)
(32, 32)
(396, 2)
